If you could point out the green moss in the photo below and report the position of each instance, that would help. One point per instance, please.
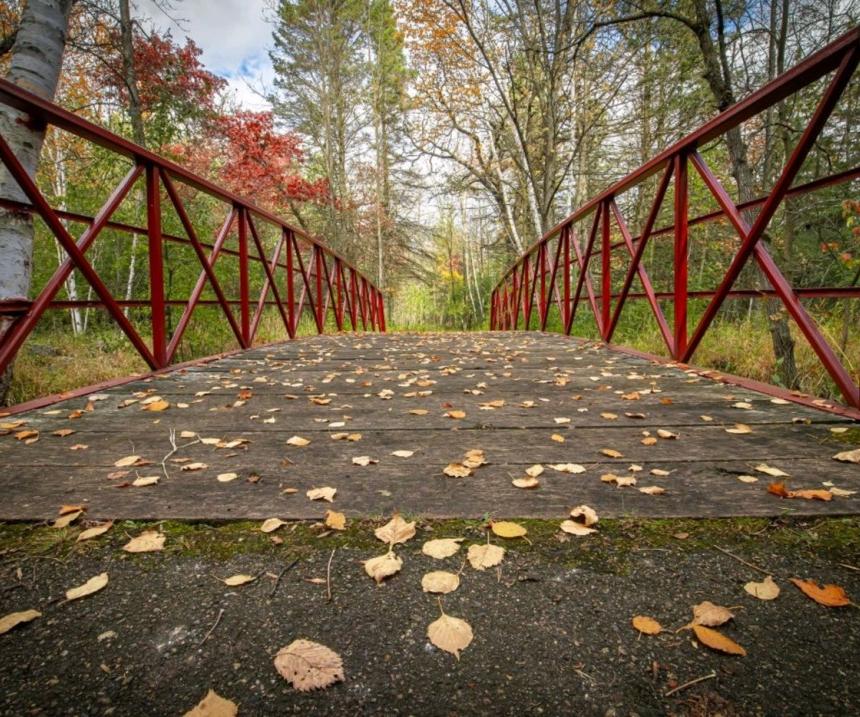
(850, 437)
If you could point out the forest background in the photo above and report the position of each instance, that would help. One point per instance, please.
(431, 141)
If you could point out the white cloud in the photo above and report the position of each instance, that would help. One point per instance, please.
(233, 35)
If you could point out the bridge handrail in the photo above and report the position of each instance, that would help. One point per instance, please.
(329, 284)
(514, 294)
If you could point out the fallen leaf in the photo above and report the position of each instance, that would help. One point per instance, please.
(747, 479)
(226, 477)
(647, 625)
(147, 542)
(652, 490)
(739, 428)
(567, 467)
(535, 470)
(717, 641)
(309, 665)
(395, 531)
(441, 547)
(440, 581)
(574, 528)
(526, 483)
(95, 531)
(450, 634)
(363, 460)
(193, 467)
(557, 437)
(485, 556)
(126, 462)
(648, 441)
(63, 432)
(271, 524)
(65, 520)
(145, 481)
(236, 580)
(584, 514)
(456, 414)
(93, 585)
(13, 619)
(611, 452)
(297, 441)
(383, 566)
(770, 470)
(326, 493)
(507, 529)
(767, 589)
(456, 470)
(848, 456)
(841, 491)
(710, 615)
(663, 433)
(335, 520)
(827, 595)
(403, 454)
(213, 705)
(156, 406)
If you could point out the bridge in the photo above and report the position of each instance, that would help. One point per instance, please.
(515, 421)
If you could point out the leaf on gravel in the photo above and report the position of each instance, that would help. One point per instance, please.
(13, 619)
(271, 524)
(297, 441)
(441, 547)
(767, 589)
(567, 467)
(573, 528)
(93, 585)
(144, 481)
(848, 456)
(584, 514)
(147, 542)
(95, 531)
(236, 580)
(335, 520)
(710, 615)
(395, 531)
(383, 566)
(827, 595)
(526, 483)
(507, 529)
(213, 705)
(309, 665)
(440, 581)
(647, 625)
(325, 493)
(717, 641)
(403, 454)
(456, 470)
(770, 470)
(485, 556)
(450, 634)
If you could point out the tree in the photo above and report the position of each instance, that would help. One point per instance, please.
(35, 62)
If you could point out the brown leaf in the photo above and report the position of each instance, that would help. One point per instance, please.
(13, 619)
(717, 641)
(297, 441)
(335, 520)
(95, 531)
(147, 542)
(213, 705)
(383, 566)
(485, 556)
(456, 470)
(309, 665)
(441, 547)
(848, 456)
(827, 595)
(93, 585)
(647, 625)
(450, 634)
(327, 493)
(395, 531)
(440, 581)
(710, 615)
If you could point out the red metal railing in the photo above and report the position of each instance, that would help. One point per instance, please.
(314, 279)
(513, 300)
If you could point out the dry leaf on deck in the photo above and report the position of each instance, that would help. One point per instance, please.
(652, 490)
(770, 470)
(145, 481)
(456, 414)
(147, 542)
(441, 547)
(363, 460)
(827, 595)
(450, 634)
(7, 622)
(456, 470)
(126, 462)
(271, 524)
(584, 514)
(647, 625)
(383, 566)
(309, 665)
(297, 441)
(507, 529)
(226, 477)
(335, 520)
(567, 467)
(717, 641)
(403, 454)
(326, 493)
(395, 531)
(848, 456)
(535, 470)
(611, 452)
(440, 581)
(485, 556)
(66, 519)
(93, 585)
(767, 589)
(526, 483)
(213, 705)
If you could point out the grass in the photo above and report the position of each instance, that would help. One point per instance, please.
(609, 550)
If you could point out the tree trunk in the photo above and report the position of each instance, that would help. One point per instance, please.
(37, 56)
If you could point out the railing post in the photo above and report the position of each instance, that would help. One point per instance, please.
(605, 271)
(338, 308)
(244, 294)
(565, 237)
(680, 257)
(381, 302)
(527, 294)
(291, 291)
(156, 265)
(493, 310)
(513, 306)
(318, 299)
(544, 305)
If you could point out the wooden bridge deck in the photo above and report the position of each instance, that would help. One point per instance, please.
(552, 388)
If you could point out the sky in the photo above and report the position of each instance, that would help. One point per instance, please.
(234, 36)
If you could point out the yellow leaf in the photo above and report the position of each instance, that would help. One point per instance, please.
(127, 461)
(485, 556)
(611, 452)
(335, 520)
(383, 566)
(144, 481)
(717, 641)
(456, 470)
(236, 580)
(767, 589)
(450, 634)
(395, 531)
(93, 585)
(297, 441)
(13, 619)
(507, 529)
(526, 483)
(309, 665)
(456, 414)
(147, 542)
(271, 524)
(95, 531)
(574, 528)
(441, 547)
(156, 406)
(647, 625)
(440, 581)
(584, 514)
(213, 705)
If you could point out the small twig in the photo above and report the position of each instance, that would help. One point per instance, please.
(175, 448)
(212, 629)
(741, 560)
(849, 567)
(328, 576)
(280, 575)
(709, 676)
